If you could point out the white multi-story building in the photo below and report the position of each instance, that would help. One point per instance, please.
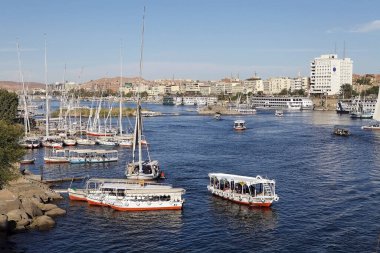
(328, 74)
(299, 83)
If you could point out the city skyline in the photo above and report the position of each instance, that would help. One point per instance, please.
(188, 40)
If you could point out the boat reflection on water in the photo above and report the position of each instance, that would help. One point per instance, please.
(242, 217)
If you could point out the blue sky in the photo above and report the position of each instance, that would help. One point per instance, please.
(196, 39)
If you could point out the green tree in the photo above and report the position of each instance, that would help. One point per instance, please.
(347, 91)
(373, 90)
(10, 151)
(8, 105)
(283, 92)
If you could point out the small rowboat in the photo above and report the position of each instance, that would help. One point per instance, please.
(28, 161)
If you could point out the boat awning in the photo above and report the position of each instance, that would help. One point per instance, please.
(237, 178)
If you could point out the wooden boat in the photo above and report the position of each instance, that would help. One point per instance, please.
(138, 168)
(28, 161)
(239, 125)
(252, 191)
(341, 132)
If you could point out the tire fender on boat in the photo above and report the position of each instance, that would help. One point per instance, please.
(262, 200)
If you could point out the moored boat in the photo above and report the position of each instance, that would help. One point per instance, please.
(28, 161)
(56, 156)
(252, 191)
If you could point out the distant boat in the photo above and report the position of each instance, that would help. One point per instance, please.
(252, 191)
(341, 131)
(239, 125)
(217, 116)
(279, 113)
(376, 116)
(28, 161)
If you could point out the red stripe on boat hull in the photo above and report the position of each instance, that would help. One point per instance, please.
(129, 209)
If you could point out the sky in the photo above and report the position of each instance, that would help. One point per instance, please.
(196, 39)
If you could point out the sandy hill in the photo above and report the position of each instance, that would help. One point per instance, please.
(15, 86)
(112, 83)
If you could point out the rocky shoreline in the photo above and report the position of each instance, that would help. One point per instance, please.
(26, 203)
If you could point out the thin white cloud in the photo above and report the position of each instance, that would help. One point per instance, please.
(367, 27)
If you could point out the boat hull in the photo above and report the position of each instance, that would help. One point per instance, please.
(241, 199)
(76, 195)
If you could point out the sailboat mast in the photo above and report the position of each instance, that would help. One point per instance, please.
(138, 93)
(23, 90)
(46, 94)
(120, 91)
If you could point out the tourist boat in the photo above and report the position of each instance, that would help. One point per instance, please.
(285, 103)
(56, 156)
(127, 195)
(252, 191)
(279, 113)
(376, 116)
(341, 131)
(101, 133)
(28, 161)
(239, 125)
(92, 156)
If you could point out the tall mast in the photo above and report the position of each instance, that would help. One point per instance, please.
(120, 90)
(26, 119)
(46, 94)
(138, 111)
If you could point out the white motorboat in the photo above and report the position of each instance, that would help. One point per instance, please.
(252, 191)
(279, 113)
(239, 125)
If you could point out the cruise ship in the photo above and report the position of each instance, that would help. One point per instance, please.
(351, 106)
(286, 103)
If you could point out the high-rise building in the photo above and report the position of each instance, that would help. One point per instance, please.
(328, 74)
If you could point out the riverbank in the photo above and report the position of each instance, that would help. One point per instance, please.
(26, 203)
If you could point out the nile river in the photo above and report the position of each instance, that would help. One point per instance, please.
(329, 189)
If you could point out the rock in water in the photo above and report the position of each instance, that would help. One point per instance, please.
(30, 208)
(20, 217)
(43, 222)
(47, 207)
(55, 212)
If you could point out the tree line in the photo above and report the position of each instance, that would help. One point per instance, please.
(10, 135)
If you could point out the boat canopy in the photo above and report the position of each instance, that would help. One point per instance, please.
(237, 178)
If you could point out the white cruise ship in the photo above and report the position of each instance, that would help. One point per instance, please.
(286, 103)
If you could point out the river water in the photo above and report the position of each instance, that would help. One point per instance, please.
(329, 189)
